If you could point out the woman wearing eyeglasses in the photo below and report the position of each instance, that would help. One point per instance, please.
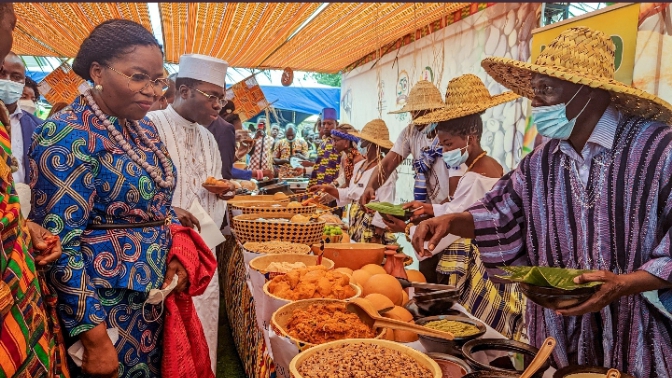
(103, 182)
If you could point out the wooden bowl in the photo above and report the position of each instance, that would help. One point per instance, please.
(556, 299)
(449, 364)
(421, 358)
(504, 345)
(352, 255)
(240, 165)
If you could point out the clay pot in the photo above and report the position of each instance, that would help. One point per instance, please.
(352, 255)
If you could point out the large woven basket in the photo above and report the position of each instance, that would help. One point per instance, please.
(283, 314)
(258, 198)
(421, 358)
(266, 207)
(247, 228)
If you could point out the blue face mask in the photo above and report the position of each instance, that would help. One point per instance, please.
(552, 120)
(362, 150)
(455, 158)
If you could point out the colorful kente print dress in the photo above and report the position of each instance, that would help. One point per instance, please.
(82, 177)
(27, 342)
(540, 214)
(326, 165)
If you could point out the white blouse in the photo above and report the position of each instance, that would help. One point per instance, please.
(471, 188)
(354, 191)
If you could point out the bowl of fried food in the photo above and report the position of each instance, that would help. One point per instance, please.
(312, 322)
(312, 282)
(216, 186)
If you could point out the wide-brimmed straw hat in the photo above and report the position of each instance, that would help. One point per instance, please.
(466, 95)
(375, 132)
(423, 96)
(579, 55)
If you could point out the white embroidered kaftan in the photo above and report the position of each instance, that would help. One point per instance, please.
(195, 155)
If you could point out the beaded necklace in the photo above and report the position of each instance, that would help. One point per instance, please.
(154, 172)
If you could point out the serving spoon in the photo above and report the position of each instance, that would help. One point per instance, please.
(540, 358)
(368, 314)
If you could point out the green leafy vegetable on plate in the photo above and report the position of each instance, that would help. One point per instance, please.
(544, 276)
(387, 208)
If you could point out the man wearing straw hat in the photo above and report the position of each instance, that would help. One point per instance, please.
(200, 95)
(596, 196)
(429, 169)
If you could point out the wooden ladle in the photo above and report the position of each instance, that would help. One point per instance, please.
(613, 373)
(368, 314)
(540, 358)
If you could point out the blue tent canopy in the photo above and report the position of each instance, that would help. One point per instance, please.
(296, 99)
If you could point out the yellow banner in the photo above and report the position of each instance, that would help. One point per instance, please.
(617, 21)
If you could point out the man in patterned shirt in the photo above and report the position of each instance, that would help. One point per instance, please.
(328, 159)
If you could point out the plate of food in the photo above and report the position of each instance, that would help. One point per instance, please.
(217, 186)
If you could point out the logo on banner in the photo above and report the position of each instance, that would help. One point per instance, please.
(346, 102)
(428, 74)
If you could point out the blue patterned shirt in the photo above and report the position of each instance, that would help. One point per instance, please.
(82, 177)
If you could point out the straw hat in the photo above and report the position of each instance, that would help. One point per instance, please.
(582, 56)
(375, 132)
(465, 95)
(423, 96)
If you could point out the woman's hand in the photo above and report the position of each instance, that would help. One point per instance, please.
(187, 219)
(393, 224)
(307, 163)
(424, 210)
(44, 242)
(100, 358)
(176, 267)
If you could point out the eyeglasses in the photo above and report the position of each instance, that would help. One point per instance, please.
(139, 81)
(213, 98)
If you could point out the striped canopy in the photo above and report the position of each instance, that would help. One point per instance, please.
(322, 37)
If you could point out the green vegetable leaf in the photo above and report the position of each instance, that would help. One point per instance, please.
(387, 208)
(559, 278)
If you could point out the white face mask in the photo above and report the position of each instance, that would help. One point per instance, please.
(28, 105)
(156, 297)
(10, 91)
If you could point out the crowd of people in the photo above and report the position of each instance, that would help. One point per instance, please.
(95, 202)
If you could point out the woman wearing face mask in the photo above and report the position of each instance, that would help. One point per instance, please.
(104, 182)
(456, 261)
(346, 145)
(375, 141)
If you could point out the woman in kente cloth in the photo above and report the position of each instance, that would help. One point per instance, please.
(374, 142)
(103, 182)
(597, 195)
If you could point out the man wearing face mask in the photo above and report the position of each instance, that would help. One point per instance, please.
(23, 123)
(595, 196)
(200, 95)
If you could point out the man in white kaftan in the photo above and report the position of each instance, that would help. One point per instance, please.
(193, 149)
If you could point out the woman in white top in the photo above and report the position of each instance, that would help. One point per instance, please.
(364, 226)
(458, 262)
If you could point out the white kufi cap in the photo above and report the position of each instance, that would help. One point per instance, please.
(203, 68)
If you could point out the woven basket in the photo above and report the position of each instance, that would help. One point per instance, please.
(259, 198)
(266, 207)
(283, 314)
(299, 249)
(247, 228)
(421, 358)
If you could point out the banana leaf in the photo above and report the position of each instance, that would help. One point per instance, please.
(544, 276)
(387, 208)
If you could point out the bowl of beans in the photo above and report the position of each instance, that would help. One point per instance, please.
(363, 358)
(463, 328)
